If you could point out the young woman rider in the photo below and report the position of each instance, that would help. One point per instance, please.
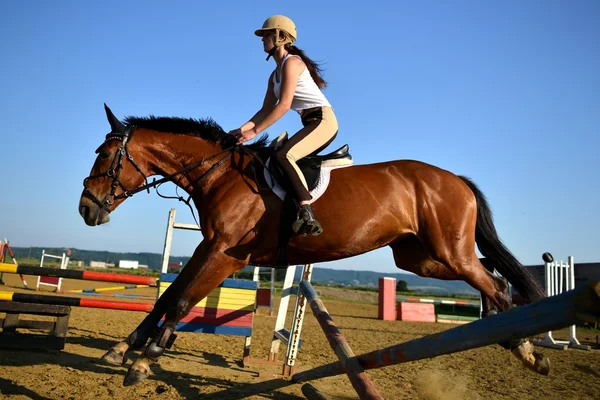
(295, 84)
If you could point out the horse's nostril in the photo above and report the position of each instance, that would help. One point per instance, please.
(84, 211)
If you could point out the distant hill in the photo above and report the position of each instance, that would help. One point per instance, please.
(371, 279)
(320, 275)
(152, 260)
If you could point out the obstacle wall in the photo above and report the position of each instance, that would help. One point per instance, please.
(227, 310)
(416, 309)
(387, 299)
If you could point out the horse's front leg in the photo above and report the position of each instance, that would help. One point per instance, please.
(215, 267)
(117, 355)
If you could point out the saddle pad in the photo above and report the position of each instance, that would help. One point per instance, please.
(316, 193)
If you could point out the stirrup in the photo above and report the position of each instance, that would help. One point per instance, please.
(306, 224)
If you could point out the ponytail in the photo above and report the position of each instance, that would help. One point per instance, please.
(314, 68)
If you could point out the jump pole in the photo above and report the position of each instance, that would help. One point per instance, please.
(438, 301)
(556, 312)
(74, 301)
(105, 294)
(312, 393)
(106, 289)
(78, 274)
(359, 379)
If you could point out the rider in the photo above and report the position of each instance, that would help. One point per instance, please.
(294, 84)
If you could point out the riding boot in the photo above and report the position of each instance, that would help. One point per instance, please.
(306, 222)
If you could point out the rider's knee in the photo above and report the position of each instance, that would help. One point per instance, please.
(284, 157)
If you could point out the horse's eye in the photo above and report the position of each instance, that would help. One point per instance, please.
(104, 155)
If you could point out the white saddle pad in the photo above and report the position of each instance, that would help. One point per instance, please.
(316, 193)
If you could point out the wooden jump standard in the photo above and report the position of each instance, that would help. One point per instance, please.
(555, 312)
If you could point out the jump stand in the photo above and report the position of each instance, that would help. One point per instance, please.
(52, 281)
(290, 338)
(264, 296)
(56, 336)
(5, 247)
(560, 277)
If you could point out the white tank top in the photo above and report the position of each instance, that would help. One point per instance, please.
(307, 95)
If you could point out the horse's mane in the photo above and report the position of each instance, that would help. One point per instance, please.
(206, 129)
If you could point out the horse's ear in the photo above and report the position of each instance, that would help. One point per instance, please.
(115, 124)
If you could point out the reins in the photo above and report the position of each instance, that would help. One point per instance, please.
(114, 172)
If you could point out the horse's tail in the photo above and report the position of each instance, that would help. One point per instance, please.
(497, 255)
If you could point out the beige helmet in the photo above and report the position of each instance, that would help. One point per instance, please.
(279, 23)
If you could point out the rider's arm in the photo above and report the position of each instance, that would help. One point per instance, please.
(268, 103)
(291, 71)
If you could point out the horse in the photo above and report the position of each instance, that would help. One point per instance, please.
(430, 218)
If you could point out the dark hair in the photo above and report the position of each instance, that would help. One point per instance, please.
(314, 68)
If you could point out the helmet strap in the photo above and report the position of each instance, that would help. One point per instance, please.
(272, 52)
(275, 46)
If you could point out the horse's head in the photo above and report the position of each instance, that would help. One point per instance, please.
(114, 175)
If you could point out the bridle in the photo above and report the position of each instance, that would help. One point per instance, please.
(114, 172)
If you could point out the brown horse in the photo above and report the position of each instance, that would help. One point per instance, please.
(429, 217)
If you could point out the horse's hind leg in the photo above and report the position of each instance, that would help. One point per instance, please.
(454, 247)
(212, 269)
(410, 254)
(488, 307)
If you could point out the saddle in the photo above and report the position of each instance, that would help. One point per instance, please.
(311, 166)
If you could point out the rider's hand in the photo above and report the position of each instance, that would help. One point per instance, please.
(236, 132)
(246, 135)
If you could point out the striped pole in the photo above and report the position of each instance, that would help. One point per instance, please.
(437, 301)
(74, 301)
(107, 289)
(360, 381)
(312, 393)
(556, 312)
(78, 274)
(121, 295)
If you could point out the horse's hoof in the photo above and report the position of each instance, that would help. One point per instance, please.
(532, 359)
(542, 363)
(113, 357)
(134, 377)
(139, 371)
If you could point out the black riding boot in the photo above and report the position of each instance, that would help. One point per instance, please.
(306, 222)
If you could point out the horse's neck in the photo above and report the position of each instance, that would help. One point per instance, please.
(171, 153)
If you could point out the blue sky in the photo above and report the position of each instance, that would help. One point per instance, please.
(507, 93)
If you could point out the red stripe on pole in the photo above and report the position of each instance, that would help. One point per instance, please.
(118, 278)
(115, 305)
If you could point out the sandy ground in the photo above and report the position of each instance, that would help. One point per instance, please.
(209, 366)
